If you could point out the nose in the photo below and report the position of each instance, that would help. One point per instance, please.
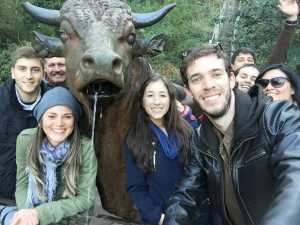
(102, 61)
(60, 121)
(57, 68)
(269, 86)
(208, 83)
(156, 100)
(28, 73)
(248, 81)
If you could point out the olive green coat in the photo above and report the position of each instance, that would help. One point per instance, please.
(61, 210)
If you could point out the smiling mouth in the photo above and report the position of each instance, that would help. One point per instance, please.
(58, 132)
(157, 110)
(211, 97)
(245, 86)
(58, 75)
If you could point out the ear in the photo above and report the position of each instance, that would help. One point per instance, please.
(150, 47)
(232, 67)
(12, 72)
(292, 91)
(231, 80)
(47, 46)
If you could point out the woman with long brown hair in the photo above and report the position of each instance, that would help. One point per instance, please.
(56, 165)
(156, 149)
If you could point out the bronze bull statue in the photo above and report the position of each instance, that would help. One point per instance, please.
(103, 55)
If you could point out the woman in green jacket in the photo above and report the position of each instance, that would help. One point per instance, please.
(56, 166)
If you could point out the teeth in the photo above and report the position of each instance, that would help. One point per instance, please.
(213, 97)
(157, 110)
(271, 93)
(58, 131)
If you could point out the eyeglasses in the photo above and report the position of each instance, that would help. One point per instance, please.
(276, 82)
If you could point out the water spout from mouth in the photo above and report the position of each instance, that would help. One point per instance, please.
(105, 91)
(94, 115)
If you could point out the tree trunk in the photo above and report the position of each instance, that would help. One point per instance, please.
(225, 27)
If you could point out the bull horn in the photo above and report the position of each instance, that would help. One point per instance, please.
(141, 20)
(46, 16)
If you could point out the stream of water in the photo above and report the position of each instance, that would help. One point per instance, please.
(94, 115)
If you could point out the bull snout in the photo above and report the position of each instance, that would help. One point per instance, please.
(105, 65)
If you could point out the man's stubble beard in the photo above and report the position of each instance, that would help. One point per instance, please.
(222, 112)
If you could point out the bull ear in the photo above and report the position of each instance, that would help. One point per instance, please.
(150, 47)
(141, 20)
(47, 16)
(47, 46)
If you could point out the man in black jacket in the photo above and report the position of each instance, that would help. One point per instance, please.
(18, 97)
(245, 156)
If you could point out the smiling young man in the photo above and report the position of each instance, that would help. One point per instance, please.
(18, 97)
(245, 77)
(245, 157)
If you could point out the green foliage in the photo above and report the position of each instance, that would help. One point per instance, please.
(16, 28)
(188, 25)
(5, 62)
(5, 59)
(259, 27)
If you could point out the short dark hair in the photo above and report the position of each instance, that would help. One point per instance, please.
(201, 51)
(242, 51)
(25, 52)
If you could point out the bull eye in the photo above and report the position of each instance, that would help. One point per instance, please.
(131, 38)
(63, 36)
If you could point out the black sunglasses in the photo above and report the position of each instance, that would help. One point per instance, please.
(276, 82)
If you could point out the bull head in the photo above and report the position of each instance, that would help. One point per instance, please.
(98, 39)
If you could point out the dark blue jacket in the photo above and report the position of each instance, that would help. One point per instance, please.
(13, 119)
(150, 191)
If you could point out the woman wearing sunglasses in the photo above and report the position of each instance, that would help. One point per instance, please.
(280, 82)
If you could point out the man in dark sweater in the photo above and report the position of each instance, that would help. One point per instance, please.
(19, 94)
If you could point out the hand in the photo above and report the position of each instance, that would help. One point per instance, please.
(180, 107)
(162, 217)
(25, 217)
(290, 8)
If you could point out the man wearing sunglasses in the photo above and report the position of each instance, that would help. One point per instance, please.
(245, 156)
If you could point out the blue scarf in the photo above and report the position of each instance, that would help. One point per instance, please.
(170, 143)
(52, 158)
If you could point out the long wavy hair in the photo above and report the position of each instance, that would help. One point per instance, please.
(139, 138)
(70, 169)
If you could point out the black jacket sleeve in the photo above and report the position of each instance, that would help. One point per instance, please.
(189, 203)
(282, 125)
